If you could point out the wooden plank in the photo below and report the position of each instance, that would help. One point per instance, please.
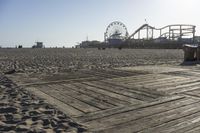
(124, 91)
(117, 92)
(131, 72)
(175, 124)
(184, 89)
(151, 81)
(195, 73)
(123, 118)
(133, 88)
(195, 92)
(153, 69)
(136, 78)
(99, 74)
(167, 84)
(112, 93)
(194, 118)
(141, 89)
(59, 81)
(195, 130)
(123, 73)
(190, 126)
(179, 73)
(79, 105)
(120, 99)
(82, 97)
(63, 76)
(71, 111)
(173, 100)
(149, 77)
(93, 93)
(191, 95)
(153, 120)
(113, 72)
(164, 84)
(186, 84)
(140, 95)
(106, 75)
(170, 81)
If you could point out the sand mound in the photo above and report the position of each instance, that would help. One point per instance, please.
(22, 112)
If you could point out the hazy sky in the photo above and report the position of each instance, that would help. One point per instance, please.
(66, 22)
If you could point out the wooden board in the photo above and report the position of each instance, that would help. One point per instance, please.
(138, 99)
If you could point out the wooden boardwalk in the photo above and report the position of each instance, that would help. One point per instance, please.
(136, 99)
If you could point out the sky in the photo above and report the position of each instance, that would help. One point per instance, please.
(68, 22)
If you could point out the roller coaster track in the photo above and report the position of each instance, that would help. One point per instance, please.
(173, 31)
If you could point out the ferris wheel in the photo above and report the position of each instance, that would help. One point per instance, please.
(116, 30)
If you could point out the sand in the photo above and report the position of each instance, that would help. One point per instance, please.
(63, 60)
(21, 111)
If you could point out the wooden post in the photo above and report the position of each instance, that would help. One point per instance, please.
(160, 32)
(169, 32)
(139, 34)
(194, 33)
(181, 32)
(147, 32)
(198, 53)
(173, 37)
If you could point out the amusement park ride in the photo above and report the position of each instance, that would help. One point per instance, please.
(170, 32)
(116, 32)
(146, 36)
